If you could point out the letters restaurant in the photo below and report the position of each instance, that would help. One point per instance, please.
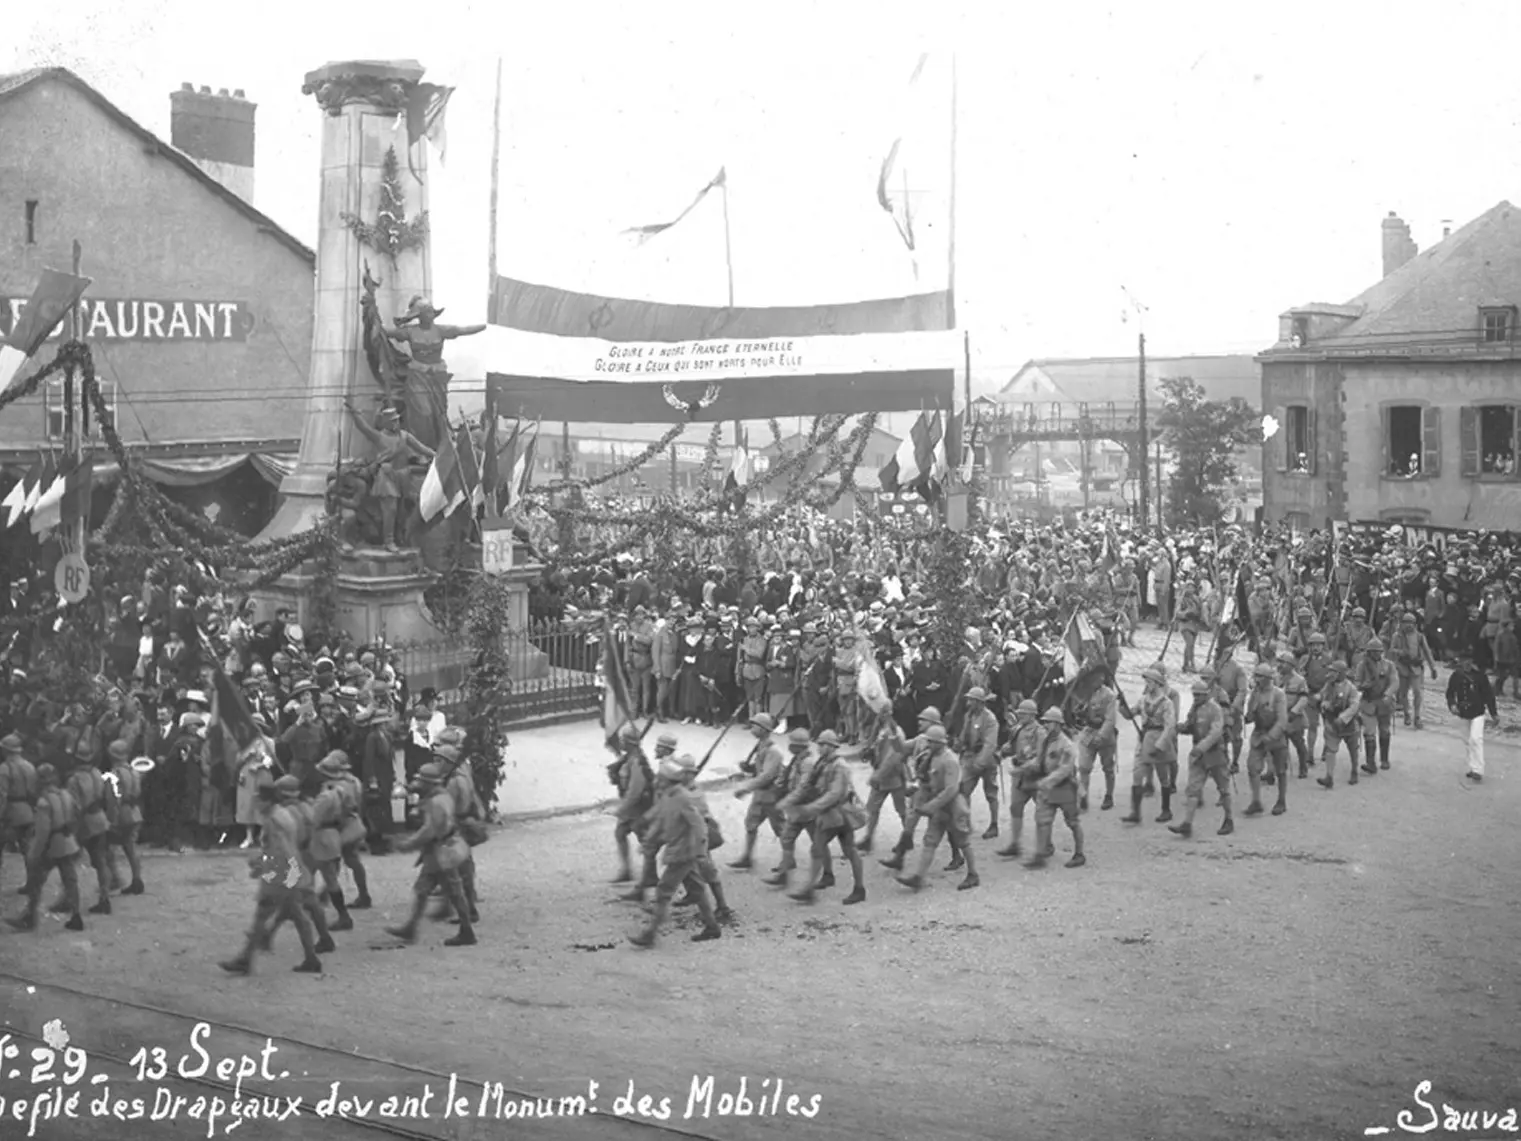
(199, 311)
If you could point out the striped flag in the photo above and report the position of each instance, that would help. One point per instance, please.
(1074, 650)
(491, 480)
(738, 477)
(522, 469)
(642, 234)
(913, 466)
(425, 117)
(615, 699)
(16, 498)
(469, 464)
(55, 295)
(443, 487)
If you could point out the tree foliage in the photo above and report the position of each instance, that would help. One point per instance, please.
(1203, 436)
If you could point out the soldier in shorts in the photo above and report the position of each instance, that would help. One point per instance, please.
(1206, 760)
(940, 802)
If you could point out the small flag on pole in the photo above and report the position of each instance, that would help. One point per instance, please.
(738, 477)
(522, 469)
(491, 480)
(55, 295)
(912, 467)
(469, 464)
(425, 117)
(443, 487)
(642, 234)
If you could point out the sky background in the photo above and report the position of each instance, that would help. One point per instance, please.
(1220, 164)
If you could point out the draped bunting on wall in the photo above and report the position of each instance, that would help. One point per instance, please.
(195, 471)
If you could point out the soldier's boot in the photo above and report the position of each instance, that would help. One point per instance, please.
(1369, 766)
(958, 860)
(1135, 807)
(1078, 858)
(783, 873)
(971, 879)
(1149, 788)
(1108, 790)
(992, 832)
(27, 920)
(1283, 798)
(635, 895)
(1255, 807)
(345, 921)
(1190, 807)
(916, 880)
(1383, 752)
(465, 936)
(1166, 814)
(746, 861)
(238, 965)
(1229, 825)
(1042, 846)
(904, 846)
(102, 906)
(407, 932)
(658, 914)
(361, 888)
(1015, 827)
(815, 876)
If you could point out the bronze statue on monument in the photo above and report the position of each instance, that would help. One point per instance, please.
(392, 483)
(426, 386)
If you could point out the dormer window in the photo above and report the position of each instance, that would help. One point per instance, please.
(1498, 323)
(1301, 335)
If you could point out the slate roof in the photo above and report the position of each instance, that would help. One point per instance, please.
(16, 82)
(1100, 380)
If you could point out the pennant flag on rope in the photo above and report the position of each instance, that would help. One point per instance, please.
(892, 180)
(54, 296)
(44, 481)
(16, 498)
(642, 234)
(443, 487)
(47, 513)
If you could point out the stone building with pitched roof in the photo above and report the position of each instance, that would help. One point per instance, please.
(1401, 405)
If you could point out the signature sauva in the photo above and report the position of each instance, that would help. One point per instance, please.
(1430, 1117)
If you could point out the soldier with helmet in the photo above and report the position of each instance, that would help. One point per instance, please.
(1297, 694)
(1316, 668)
(978, 743)
(1377, 681)
(55, 821)
(443, 852)
(1205, 724)
(679, 831)
(1023, 748)
(1156, 748)
(916, 763)
(635, 782)
(764, 788)
(940, 802)
(87, 785)
(1268, 711)
(1353, 640)
(1233, 682)
(1190, 618)
(285, 880)
(1055, 773)
(127, 817)
(1097, 741)
(793, 782)
(1411, 652)
(459, 783)
(827, 803)
(889, 779)
(1338, 712)
(18, 796)
(665, 747)
(325, 811)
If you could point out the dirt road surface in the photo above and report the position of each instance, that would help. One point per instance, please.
(1296, 980)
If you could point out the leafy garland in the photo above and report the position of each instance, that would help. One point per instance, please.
(488, 684)
(628, 468)
(392, 233)
(710, 454)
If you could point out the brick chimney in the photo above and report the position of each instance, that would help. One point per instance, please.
(1398, 246)
(217, 131)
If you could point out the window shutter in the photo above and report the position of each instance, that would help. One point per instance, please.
(1468, 435)
(1431, 439)
(1311, 444)
(1383, 424)
(1281, 414)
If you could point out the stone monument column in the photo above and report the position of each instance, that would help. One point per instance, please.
(364, 104)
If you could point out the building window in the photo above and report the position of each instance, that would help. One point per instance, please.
(1301, 331)
(1499, 324)
(1412, 441)
(53, 408)
(1490, 446)
(31, 221)
(1297, 439)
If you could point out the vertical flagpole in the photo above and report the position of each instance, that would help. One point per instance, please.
(496, 162)
(950, 262)
(75, 538)
(729, 270)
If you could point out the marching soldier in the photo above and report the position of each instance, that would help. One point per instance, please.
(18, 796)
(939, 801)
(1411, 652)
(665, 747)
(443, 851)
(1190, 620)
(1377, 680)
(52, 846)
(763, 788)
(918, 754)
(635, 783)
(793, 782)
(1301, 632)
(1023, 748)
(325, 844)
(1098, 739)
(459, 783)
(707, 871)
(889, 779)
(1206, 760)
(641, 662)
(127, 817)
(1354, 638)
(753, 652)
(1055, 770)
(352, 830)
(1297, 693)
(285, 880)
(978, 743)
(679, 831)
(1338, 713)
(1316, 668)
(1155, 749)
(1267, 709)
(1233, 683)
(87, 786)
(828, 803)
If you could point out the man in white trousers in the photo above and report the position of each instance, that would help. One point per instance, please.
(1470, 697)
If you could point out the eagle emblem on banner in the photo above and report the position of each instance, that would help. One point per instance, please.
(689, 407)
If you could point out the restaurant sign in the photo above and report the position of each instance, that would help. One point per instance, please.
(108, 319)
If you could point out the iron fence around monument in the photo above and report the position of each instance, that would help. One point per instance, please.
(568, 686)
